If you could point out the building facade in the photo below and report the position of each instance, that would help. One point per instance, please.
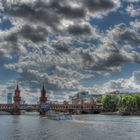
(9, 98)
(83, 96)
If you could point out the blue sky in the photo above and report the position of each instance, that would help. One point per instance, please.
(71, 46)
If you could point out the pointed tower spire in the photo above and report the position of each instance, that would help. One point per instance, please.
(17, 88)
(43, 97)
(43, 88)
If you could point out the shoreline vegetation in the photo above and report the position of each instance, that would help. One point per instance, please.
(121, 104)
(120, 113)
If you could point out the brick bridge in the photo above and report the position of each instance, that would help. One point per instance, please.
(16, 107)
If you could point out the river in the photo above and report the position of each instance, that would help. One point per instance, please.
(82, 127)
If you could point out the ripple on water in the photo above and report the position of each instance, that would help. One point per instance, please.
(85, 127)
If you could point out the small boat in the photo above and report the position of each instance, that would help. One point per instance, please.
(59, 116)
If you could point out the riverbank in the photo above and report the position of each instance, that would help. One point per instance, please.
(110, 113)
(121, 113)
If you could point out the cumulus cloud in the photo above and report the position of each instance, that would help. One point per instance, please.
(63, 66)
(132, 1)
(50, 13)
(135, 24)
(136, 77)
(100, 5)
(124, 35)
(130, 84)
(58, 44)
(34, 20)
(52, 70)
(13, 41)
(37, 34)
(108, 57)
(80, 29)
(61, 46)
(133, 12)
(34, 34)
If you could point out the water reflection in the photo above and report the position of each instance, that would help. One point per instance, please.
(85, 127)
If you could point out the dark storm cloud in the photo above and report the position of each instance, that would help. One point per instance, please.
(62, 7)
(34, 34)
(11, 42)
(61, 46)
(107, 58)
(52, 12)
(99, 5)
(41, 15)
(47, 13)
(12, 38)
(38, 34)
(80, 29)
(130, 37)
(122, 34)
(37, 12)
(2, 53)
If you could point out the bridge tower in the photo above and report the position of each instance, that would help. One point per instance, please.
(17, 100)
(43, 101)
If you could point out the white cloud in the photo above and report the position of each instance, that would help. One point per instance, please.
(131, 84)
(62, 48)
(132, 1)
(135, 24)
(133, 12)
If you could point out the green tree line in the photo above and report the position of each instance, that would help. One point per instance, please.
(122, 103)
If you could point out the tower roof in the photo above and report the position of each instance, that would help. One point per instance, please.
(17, 88)
(43, 88)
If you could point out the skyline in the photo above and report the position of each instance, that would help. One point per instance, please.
(70, 45)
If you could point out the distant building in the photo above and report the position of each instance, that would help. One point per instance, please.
(54, 102)
(22, 102)
(83, 96)
(116, 92)
(9, 98)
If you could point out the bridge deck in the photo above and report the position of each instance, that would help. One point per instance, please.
(55, 107)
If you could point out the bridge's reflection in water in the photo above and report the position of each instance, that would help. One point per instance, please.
(82, 127)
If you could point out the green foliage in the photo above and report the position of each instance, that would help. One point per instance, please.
(124, 103)
(110, 102)
(99, 100)
(130, 103)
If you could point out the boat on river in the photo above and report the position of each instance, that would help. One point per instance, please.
(59, 116)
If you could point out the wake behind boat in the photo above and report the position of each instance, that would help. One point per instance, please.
(59, 116)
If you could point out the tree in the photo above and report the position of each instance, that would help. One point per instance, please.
(130, 103)
(99, 100)
(110, 102)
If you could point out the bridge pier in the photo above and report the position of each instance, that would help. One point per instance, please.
(15, 111)
(42, 112)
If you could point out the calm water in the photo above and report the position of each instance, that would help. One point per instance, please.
(85, 127)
